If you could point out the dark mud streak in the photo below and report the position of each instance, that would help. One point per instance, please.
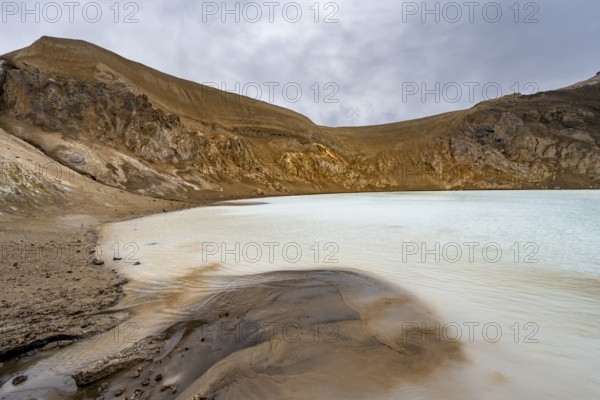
(15, 352)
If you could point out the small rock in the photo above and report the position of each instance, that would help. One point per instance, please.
(158, 378)
(102, 388)
(19, 379)
(172, 388)
(98, 262)
(119, 392)
(146, 382)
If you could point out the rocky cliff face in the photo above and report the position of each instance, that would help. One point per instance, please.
(543, 141)
(118, 137)
(122, 134)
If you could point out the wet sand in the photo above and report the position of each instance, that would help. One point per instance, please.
(294, 335)
(54, 288)
(51, 288)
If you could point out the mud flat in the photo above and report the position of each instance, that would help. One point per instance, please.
(333, 334)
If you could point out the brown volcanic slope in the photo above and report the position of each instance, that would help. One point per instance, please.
(135, 128)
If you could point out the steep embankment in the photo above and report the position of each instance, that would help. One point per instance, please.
(135, 128)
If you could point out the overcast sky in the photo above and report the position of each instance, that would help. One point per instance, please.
(337, 62)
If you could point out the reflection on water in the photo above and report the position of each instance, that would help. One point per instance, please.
(513, 276)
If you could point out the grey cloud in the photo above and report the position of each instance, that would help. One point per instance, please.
(370, 55)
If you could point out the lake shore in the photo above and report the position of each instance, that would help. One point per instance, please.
(54, 286)
(61, 291)
(184, 301)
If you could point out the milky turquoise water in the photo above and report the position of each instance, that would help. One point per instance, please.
(515, 274)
